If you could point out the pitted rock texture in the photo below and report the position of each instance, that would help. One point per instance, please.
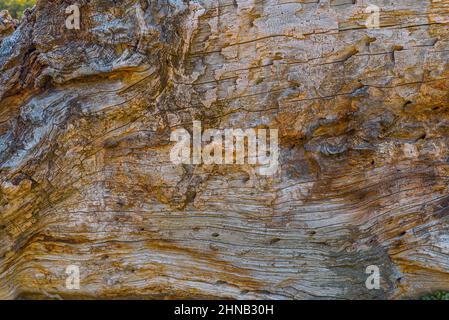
(86, 178)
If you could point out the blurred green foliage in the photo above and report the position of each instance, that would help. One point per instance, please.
(16, 7)
(439, 295)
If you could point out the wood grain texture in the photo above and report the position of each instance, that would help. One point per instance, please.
(363, 119)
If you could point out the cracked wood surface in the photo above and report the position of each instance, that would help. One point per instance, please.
(86, 178)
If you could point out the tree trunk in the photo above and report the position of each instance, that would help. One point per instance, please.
(87, 180)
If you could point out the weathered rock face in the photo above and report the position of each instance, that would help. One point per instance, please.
(86, 178)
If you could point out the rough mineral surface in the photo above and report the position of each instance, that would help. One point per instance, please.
(85, 171)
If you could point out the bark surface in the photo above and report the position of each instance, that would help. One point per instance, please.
(86, 177)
